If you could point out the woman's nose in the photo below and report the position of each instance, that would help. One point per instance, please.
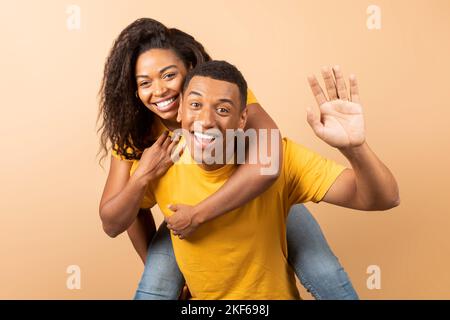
(159, 90)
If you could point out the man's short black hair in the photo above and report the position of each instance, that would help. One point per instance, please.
(220, 70)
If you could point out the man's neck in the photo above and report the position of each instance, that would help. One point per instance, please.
(231, 161)
(211, 167)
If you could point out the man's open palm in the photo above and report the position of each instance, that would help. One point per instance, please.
(341, 121)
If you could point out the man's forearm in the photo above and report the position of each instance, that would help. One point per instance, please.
(376, 187)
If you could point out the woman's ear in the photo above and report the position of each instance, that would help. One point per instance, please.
(180, 108)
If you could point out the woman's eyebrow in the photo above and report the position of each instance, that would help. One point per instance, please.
(160, 71)
(166, 68)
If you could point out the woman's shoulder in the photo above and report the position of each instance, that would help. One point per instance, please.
(129, 152)
(126, 153)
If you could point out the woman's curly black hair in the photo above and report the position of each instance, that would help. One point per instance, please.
(126, 121)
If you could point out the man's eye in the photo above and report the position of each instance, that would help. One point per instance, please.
(222, 110)
(195, 104)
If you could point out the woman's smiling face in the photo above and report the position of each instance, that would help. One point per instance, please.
(160, 75)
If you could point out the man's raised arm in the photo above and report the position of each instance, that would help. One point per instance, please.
(369, 185)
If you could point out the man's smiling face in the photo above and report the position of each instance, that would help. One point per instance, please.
(209, 107)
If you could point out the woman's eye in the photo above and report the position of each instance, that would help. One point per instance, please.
(195, 104)
(169, 76)
(144, 83)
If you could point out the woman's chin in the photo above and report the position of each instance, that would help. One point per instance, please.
(170, 114)
(167, 112)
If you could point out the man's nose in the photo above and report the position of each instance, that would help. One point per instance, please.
(208, 118)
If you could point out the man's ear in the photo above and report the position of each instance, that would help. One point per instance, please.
(243, 118)
(180, 108)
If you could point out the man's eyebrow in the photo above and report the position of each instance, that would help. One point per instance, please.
(227, 100)
(221, 100)
(195, 93)
(160, 71)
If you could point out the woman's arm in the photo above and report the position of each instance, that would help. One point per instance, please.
(143, 228)
(141, 232)
(244, 185)
(122, 197)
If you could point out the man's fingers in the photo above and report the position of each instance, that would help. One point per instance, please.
(168, 222)
(182, 234)
(340, 83)
(173, 207)
(317, 90)
(314, 122)
(354, 91)
(330, 84)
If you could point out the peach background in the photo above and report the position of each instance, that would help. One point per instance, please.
(51, 182)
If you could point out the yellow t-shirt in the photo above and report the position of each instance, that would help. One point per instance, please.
(158, 128)
(243, 253)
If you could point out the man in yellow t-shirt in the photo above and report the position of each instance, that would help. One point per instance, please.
(243, 254)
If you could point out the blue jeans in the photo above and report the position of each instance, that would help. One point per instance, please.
(309, 254)
(316, 266)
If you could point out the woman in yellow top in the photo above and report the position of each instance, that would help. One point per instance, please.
(140, 95)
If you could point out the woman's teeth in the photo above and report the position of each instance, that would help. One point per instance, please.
(165, 103)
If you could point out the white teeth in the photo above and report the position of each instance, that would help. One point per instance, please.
(200, 135)
(165, 103)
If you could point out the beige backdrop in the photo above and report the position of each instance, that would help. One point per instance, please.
(51, 183)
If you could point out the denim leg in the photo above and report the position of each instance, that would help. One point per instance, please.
(317, 268)
(162, 279)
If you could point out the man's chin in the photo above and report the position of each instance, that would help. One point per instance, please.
(203, 155)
